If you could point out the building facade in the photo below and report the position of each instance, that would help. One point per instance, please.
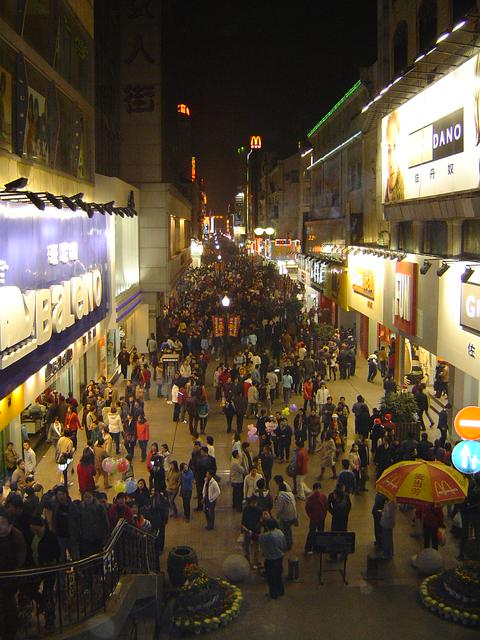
(411, 260)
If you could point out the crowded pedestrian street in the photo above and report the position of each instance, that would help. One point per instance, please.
(214, 374)
(239, 319)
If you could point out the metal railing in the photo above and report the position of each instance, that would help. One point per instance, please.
(67, 594)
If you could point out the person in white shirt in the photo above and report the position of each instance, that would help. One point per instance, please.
(250, 483)
(166, 453)
(272, 380)
(30, 458)
(321, 397)
(210, 494)
(302, 352)
(252, 397)
(185, 369)
(256, 359)
(210, 447)
(114, 422)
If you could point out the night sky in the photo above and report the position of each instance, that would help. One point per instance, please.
(261, 67)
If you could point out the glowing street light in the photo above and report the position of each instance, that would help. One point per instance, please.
(269, 231)
(225, 301)
(259, 231)
(219, 257)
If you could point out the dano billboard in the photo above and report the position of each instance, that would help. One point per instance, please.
(430, 145)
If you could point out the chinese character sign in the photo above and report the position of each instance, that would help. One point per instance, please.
(218, 326)
(233, 326)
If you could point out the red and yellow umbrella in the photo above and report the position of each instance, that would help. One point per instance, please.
(421, 482)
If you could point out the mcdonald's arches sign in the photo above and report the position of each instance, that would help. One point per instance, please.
(255, 142)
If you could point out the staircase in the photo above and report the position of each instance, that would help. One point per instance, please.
(93, 597)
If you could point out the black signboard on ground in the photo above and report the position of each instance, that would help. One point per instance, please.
(341, 542)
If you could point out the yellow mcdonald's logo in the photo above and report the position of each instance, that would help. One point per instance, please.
(443, 488)
(255, 142)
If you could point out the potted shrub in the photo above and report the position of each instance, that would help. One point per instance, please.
(403, 408)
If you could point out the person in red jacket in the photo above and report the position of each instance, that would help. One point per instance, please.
(308, 394)
(301, 470)
(432, 519)
(316, 508)
(86, 471)
(143, 435)
(73, 424)
(120, 510)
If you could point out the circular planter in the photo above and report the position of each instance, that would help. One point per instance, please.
(178, 558)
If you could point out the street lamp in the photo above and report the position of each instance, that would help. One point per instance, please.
(269, 231)
(225, 301)
(259, 231)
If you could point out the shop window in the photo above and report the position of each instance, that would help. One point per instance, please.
(460, 8)
(65, 158)
(471, 238)
(36, 140)
(400, 48)
(7, 67)
(435, 237)
(427, 24)
(406, 240)
(356, 228)
(74, 54)
(40, 27)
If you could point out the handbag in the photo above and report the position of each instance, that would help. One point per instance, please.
(291, 470)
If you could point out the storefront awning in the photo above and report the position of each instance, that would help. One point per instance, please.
(451, 50)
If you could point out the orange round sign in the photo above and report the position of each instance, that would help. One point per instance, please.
(467, 423)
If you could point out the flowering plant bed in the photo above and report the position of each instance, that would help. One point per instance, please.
(454, 594)
(205, 603)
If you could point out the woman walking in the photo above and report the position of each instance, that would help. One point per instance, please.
(173, 484)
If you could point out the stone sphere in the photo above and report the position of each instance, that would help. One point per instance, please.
(236, 568)
(428, 562)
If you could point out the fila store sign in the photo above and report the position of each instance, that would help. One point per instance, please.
(28, 320)
(405, 297)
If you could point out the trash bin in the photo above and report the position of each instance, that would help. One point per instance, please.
(293, 569)
(178, 558)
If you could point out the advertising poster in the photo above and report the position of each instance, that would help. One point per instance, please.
(5, 110)
(363, 283)
(233, 326)
(54, 285)
(430, 145)
(36, 135)
(218, 326)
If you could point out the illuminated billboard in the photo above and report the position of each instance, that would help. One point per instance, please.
(430, 145)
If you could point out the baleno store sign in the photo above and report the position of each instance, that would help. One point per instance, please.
(54, 285)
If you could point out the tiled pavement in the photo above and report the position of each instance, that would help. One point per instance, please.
(360, 609)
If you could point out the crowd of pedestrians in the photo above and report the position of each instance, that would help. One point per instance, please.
(280, 375)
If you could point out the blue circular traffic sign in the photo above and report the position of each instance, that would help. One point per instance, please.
(466, 456)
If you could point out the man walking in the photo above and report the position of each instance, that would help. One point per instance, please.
(372, 366)
(316, 509)
(301, 470)
(124, 360)
(210, 494)
(287, 382)
(273, 546)
(152, 348)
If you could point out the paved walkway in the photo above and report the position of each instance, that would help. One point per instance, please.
(213, 547)
(361, 609)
